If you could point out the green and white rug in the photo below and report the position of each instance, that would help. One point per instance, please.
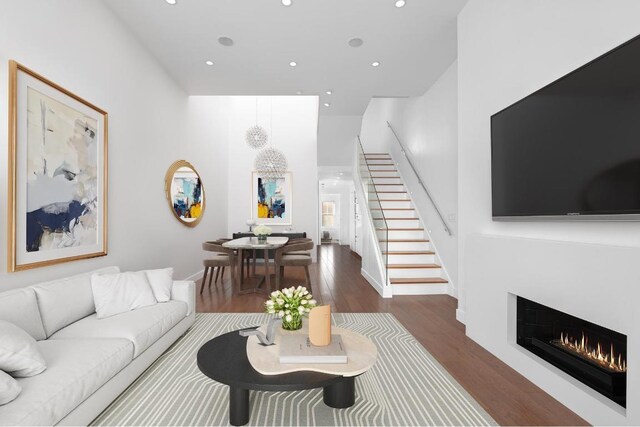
(407, 386)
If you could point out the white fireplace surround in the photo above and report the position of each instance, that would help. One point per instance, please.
(596, 282)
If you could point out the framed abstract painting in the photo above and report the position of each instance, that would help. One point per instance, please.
(271, 202)
(185, 193)
(57, 173)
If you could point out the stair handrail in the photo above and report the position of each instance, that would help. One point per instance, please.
(420, 180)
(383, 255)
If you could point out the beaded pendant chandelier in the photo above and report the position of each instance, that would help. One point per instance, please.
(271, 163)
(256, 137)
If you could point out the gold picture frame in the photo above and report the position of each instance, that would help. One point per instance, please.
(85, 234)
(187, 169)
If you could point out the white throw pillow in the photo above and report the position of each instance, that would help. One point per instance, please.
(118, 293)
(19, 355)
(9, 388)
(161, 281)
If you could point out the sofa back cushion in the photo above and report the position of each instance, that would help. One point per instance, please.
(67, 300)
(20, 307)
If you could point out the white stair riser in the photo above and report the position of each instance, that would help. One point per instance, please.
(402, 234)
(386, 204)
(405, 273)
(411, 259)
(412, 223)
(421, 289)
(385, 162)
(395, 187)
(406, 246)
(396, 214)
(388, 196)
(387, 181)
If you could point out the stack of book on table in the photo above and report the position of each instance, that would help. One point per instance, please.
(298, 349)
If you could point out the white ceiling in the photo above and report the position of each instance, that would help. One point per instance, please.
(414, 45)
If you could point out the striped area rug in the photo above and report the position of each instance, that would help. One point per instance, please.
(407, 386)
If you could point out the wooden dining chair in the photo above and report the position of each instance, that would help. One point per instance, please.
(225, 258)
(294, 254)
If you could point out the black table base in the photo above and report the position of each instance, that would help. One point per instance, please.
(340, 396)
(224, 359)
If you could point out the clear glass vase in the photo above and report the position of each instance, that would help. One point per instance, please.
(262, 238)
(293, 325)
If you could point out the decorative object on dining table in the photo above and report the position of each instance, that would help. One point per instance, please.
(262, 232)
(185, 194)
(271, 200)
(320, 326)
(250, 223)
(269, 338)
(57, 166)
(290, 304)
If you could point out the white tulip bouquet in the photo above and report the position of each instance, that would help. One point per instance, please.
(262, 231)
(291, 304)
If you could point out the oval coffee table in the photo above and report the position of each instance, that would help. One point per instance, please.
(224, 359)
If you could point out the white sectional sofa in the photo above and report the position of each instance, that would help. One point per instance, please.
(89, 361)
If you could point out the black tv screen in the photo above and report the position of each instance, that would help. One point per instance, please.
(572, 149)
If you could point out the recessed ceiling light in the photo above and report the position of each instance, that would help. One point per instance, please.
(328, 92)
(225, 41)
(172, 1)
(286, 2)
(299, 92)
(341, 173)
(326, 104)
(357, 42)
(293, 63)
(208, 62)
(400, 3)
(375, 64)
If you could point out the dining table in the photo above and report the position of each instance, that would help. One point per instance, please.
(254, 244)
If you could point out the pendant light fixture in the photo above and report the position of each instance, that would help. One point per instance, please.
(270, 162)
(256, 136)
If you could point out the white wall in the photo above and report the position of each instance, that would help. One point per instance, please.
(336, 137)
(428, 127)
(80, 45)
(292, 124)
(506, 50)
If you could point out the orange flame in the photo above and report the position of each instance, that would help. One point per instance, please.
(582, 348)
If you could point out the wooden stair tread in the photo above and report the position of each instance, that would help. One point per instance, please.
(409, 252)
(401, 229)
(405, 241)
(422, 266)
(385, 177)
(390, 200)
(388, 192)
(384, 184)
(392, 209)
(417, 280)
(399, 219)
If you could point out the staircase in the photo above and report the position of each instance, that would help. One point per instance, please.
(412, 263)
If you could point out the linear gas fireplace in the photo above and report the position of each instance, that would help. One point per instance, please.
(593, 354)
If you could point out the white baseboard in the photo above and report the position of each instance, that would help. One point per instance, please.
(385, 292)
(460, 316)
(195, 276)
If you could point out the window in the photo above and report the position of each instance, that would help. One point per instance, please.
(328, 214)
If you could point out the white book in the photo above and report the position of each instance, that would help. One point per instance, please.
(298, 349)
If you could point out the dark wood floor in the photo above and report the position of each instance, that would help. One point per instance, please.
(336, 280)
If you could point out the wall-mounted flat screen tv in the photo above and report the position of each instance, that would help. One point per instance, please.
(571, 150)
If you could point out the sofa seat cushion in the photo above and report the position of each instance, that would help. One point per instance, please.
(75, 370)
(142, 327)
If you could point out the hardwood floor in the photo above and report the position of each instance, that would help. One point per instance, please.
(506, 395)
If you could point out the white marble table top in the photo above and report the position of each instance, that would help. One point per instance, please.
(252, 243)
(361, 354)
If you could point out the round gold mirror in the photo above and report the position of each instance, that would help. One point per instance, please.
(185, 193)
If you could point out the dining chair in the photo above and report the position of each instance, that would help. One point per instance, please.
(294, 254)
(225, 258)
